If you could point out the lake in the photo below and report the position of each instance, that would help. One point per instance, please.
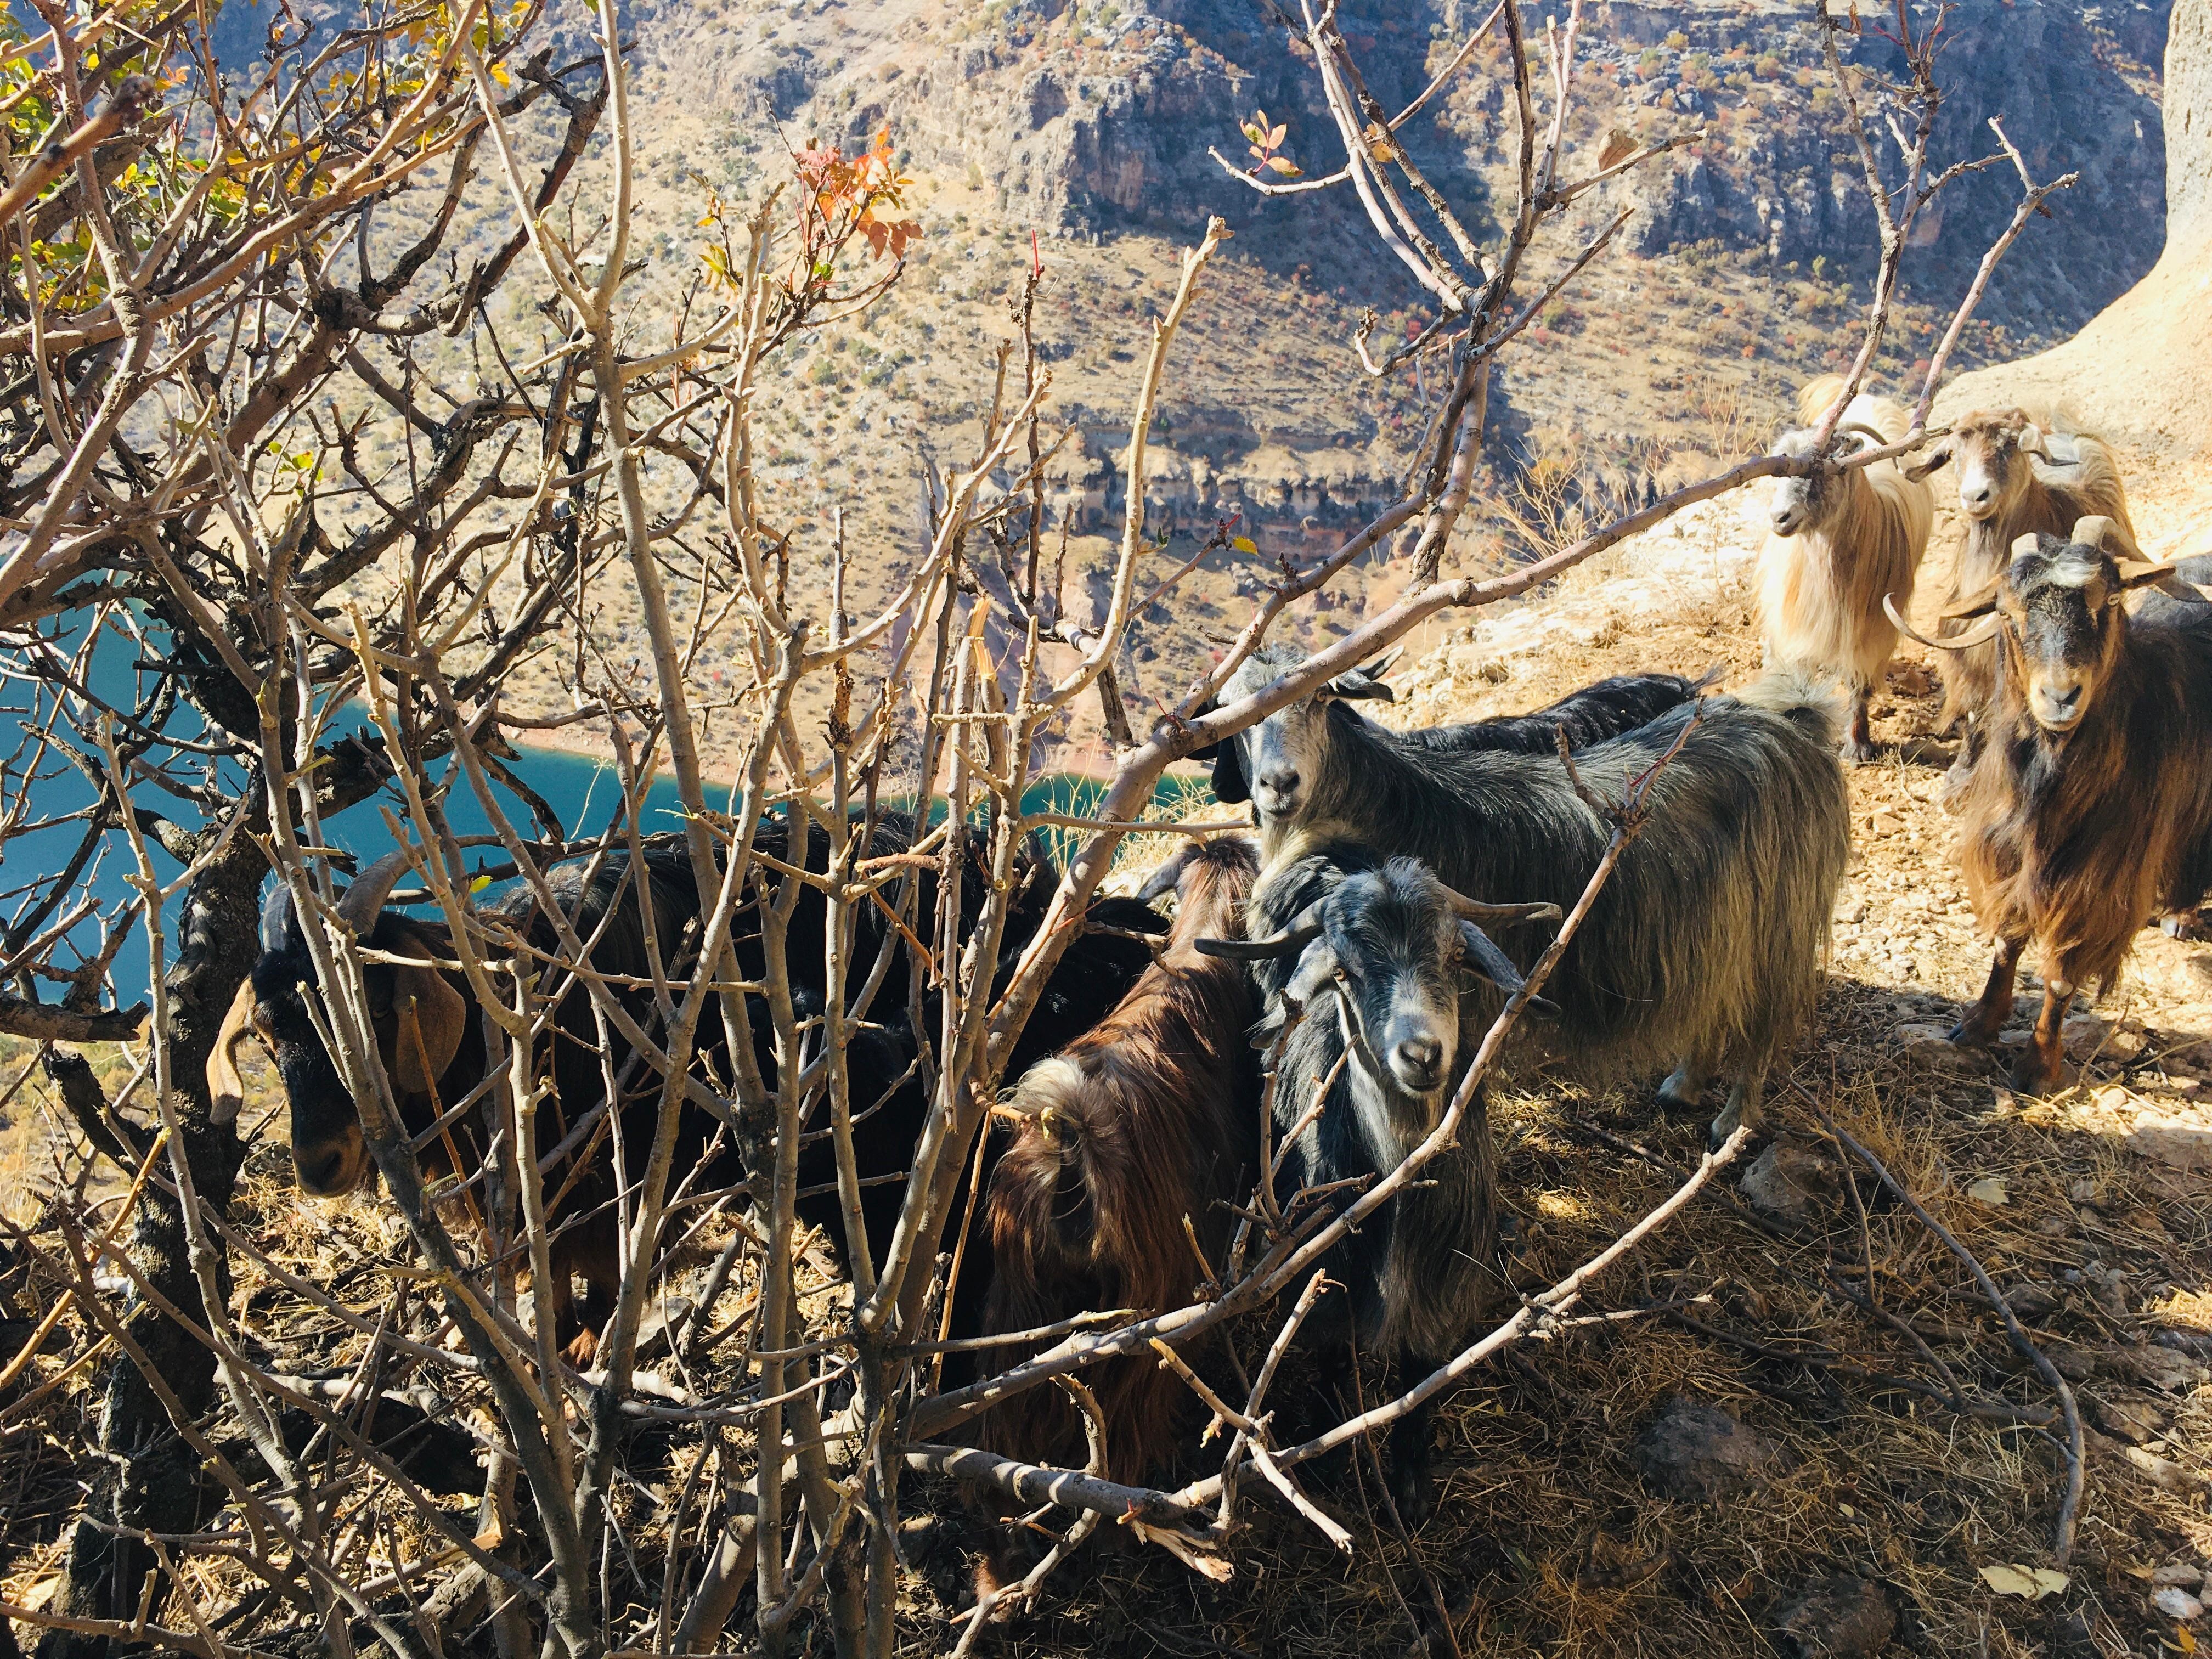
(582, 790)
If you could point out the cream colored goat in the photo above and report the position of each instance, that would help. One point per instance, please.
(1839, 543)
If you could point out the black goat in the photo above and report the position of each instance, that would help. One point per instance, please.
(1585, 717)
(1705, 947)
(430, 1036)
(1372, 954)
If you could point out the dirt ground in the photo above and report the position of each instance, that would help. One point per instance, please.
(2090, 1209)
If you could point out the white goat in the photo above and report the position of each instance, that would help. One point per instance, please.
(1840, 543)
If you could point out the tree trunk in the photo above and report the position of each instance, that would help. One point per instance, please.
(148, 1479)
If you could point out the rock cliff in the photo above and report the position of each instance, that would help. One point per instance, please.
(2137, 372)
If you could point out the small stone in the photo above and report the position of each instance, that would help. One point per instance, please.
(1883, 823)
(2178, 1604)
(2083, 1191)
(2158, 1366)
(2185, 1575)
(2181, 1143)
(2196, 1344)
(1792, 1182)
(2128, 1420)
(1842, 1613)
(2074, 1364)
(1694, 1451)
(2030, 1301)
(1856, 911)
(2168, 1476)
(1917, 1038)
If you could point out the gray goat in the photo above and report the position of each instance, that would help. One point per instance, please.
(1704, 950)
(1373, 951)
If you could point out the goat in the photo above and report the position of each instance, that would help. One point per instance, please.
(1840, 542)
(1705, 948)
(1585, 717)
(431, 1074)
(2090, 808)
(2017, 477)
(429, 1035)
(1139, 1126)
(1371, 952)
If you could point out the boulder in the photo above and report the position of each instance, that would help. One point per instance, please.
(1695, 1452)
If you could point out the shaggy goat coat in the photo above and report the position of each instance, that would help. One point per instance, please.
(1139, 1123)
(2077, 839)
(1820, 588)
(1707, 944)
(1418, 1275)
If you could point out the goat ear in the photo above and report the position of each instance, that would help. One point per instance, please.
(1165, 879)
(1230, 785)
(1481, 953)
(226, 1089)
(1316, 969)
(2141, 572)
(1932, 460)
(1357, 684)
(431, 1019)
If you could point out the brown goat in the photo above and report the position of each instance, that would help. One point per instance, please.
(2091, 806)
(2017, 475)
(1145, 1120)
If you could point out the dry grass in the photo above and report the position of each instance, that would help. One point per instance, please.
(1546, 1540)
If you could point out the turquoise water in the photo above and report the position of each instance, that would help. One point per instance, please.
(583, 791)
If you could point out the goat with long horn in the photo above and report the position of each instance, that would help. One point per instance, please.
(2089, 811)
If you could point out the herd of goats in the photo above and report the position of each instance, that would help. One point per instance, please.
(1135, 1133)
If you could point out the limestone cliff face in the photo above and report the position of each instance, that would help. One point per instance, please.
(2137, 372)
(1088, 115)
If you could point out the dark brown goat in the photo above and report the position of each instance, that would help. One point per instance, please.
(1145, 1120)
(2091, 806)
(2017, 477)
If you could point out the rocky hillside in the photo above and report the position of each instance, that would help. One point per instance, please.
(2136, 371)
(1091, 117)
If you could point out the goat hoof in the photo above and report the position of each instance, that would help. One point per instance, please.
(2030, 1077)
(1857, 754)
(2184, 925)
(1967, 1034)
(1413, 1490)
(583, 1348)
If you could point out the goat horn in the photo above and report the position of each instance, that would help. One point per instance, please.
(2091, 531)
(1973, 636)
(225, 1090)
(364, 900)
(2022, 545)
(1879, 439)
(1497, 915)
(1291, 941)
(278, 921)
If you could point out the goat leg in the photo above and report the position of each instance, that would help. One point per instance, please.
(1683, 1086)
(1412, 1484)
(1745, 1106)
(1981, 1023)
(2042, 1066)
(1858, 737)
